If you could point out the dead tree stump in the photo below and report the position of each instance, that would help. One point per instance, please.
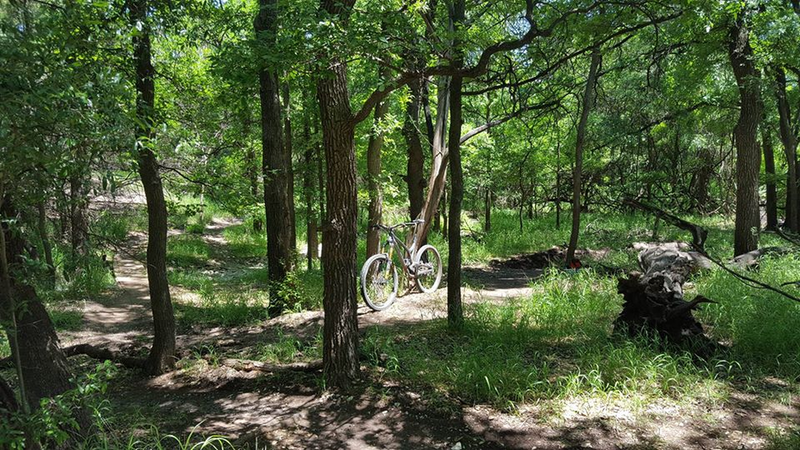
(654, 299)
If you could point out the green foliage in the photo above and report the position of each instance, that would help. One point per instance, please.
(223, 308)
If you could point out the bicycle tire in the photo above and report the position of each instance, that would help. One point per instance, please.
(377, 281)
(428, 273)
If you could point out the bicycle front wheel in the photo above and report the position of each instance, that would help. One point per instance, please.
(379, 282)
(428, 269)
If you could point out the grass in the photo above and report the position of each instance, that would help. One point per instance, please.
(556, 344)
(243, 242)
(187, 250)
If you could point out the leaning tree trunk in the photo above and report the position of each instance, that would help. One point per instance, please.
(162, 354)
(339, 236)
(576, 175)
(46, 245)
(42, 368)
(748, 153)
(276, 163)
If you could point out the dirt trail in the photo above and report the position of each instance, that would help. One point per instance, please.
(288, 411)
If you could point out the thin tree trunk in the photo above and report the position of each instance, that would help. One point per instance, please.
(375, 211)
(576, 175)
(79, 224)
(276, 165)
(162, 355)
(251, 166)
(789, 141)
(287, 126)
(769, 169)
(46, 245)
(308, 192)
(487, 213)
(748, 153)
(455, 314)
(340, 330)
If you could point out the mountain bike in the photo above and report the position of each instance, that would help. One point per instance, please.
(379, 279)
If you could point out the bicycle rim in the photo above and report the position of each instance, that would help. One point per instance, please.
(428, 269)
(379, 282)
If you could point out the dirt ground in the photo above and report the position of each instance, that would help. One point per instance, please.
(291, 411)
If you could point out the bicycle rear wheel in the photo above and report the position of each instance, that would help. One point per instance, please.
(379, 282)
(428, 269)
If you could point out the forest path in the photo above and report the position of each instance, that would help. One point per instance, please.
(290, 411)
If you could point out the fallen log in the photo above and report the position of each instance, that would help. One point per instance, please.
(104, 354)
(247, 365)
(654, 299)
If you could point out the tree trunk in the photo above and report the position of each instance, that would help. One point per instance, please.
(276, 164)
(416, 157)
(287, 126)
(455, 314)
(41, 365)
(576, 175)
(789, 141)
(79, 223)
(340, 343)
(162, 354)
(748, 153)
(375, 211)
(251, 166)
(769, 169)
(46, 245)
(487, 211)
(308, 192)
(439, 161)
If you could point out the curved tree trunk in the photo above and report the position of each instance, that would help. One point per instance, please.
(42, 368)
(748, 153)
(276, 165)
(162, 354)
(576, 175)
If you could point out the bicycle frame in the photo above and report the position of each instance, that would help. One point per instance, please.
(394, 241)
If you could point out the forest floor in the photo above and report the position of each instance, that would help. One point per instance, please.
(293, 411)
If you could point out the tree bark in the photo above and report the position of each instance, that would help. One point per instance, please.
(41, 365)
(46, 245)
(162, 355)
(375, 211)
(789, 141)
(416, 158)
(439, 161)
(487, 211)
(576, 175)
(276, 165)
(287, 126)
(748, 153)
(340, 330)
(769, 169)
(455, 314)
(308, 192)
(78, 206)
